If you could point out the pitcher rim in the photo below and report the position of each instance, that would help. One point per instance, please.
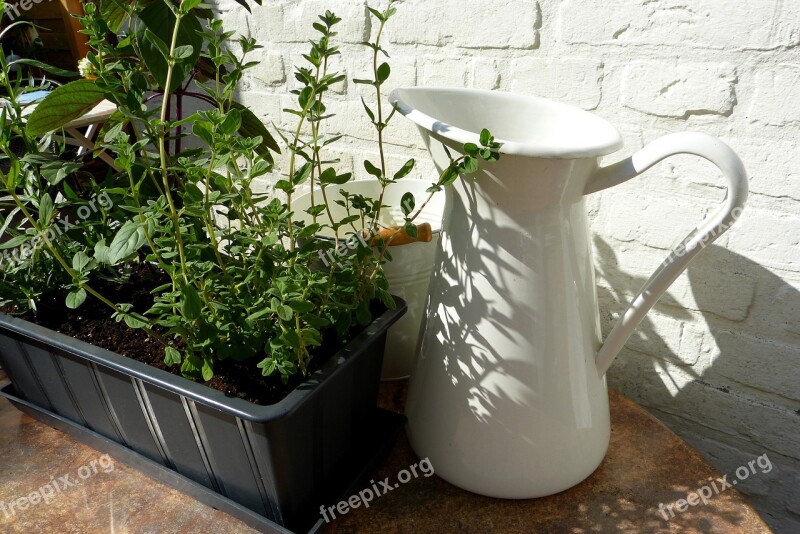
(608, 141)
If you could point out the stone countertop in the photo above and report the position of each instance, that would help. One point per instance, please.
(646, 465)
(113, 498)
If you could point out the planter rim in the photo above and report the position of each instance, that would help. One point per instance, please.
(20, 328)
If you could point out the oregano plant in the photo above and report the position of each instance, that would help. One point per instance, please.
(238, 273)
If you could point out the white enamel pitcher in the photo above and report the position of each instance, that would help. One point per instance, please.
(508, 396)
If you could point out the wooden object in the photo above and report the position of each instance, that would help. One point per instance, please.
(62, 44)
(78, 42)
(396, 235)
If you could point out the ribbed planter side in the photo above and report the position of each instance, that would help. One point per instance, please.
(275, 460)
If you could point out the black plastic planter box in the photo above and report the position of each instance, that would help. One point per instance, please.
(280, 461)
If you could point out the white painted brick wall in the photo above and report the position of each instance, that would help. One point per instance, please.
(679, 89)
(718, 360)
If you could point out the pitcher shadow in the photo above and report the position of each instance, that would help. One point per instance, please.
(650, 377)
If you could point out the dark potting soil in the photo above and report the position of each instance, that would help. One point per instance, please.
(92, 323)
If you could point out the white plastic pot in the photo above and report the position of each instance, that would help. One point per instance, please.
(410, 270)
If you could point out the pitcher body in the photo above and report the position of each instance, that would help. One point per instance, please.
(506, 368)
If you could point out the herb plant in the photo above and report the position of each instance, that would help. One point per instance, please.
(240, 266)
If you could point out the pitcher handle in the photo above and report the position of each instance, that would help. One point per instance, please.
(709, 230)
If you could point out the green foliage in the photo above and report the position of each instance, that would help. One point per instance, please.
(244, 277)
(63, 105)
(162, 49)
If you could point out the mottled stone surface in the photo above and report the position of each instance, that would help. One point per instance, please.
(120, 501)
(646, 465)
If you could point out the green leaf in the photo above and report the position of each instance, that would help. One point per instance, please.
(76, 298)
(488, 155)
(46, 210)
(302, 174)
(245, 5)
(208, 369)
(102, 252)
(130, 238)
(188, 5)
(305, 97)
(311, 337)
(232, 122)
(486, 137)
(156, 41)
(259, 314)
(405, 169)
(308, 231)
(14, 242)
(80, 261)
(301, 306)
(64, 105)
(203, 131)
(111, 134)
(267, 366)
(253, 127)
(284, 185)
(411, 229)
(329, 177)
(449, 176)
(372, 169)
(383, 72)
(191, 303)
(43, 66)
(134, 320)
(14, 171)
(171, 356)
(316, 210)
(387, 299)
(285, 312)
(159, 20)
(292, 339)
(370, 113)
(55, 171)
(407, 204)
(471, 149)
(183, 52)
(114, 13)
(191, 365)
(469, 165)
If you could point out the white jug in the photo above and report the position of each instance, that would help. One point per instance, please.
(508, 396)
